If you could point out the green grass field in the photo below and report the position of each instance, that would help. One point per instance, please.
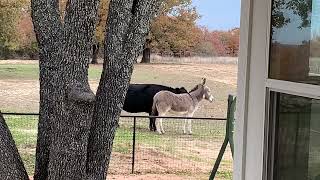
(31, 72)
(172, 153)
(193, 151)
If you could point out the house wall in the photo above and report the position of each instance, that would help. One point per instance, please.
(251, 90)
(253, 87)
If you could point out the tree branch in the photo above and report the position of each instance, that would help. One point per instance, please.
(126, 33)
(64, 51)
(48, 29)
(46, 21)
(81, 93)
(70, 130)
(11, 165)
(140, 26)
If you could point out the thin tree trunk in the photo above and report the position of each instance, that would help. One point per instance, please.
(146, 52)
(48, 30)
(11, 165)
(95, 52)
(128, 25)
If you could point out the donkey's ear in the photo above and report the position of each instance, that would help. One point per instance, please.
(203, 81)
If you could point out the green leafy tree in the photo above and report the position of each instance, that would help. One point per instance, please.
(174, 31)
(9, 15)
(302, 8)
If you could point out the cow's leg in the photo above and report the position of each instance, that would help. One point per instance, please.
(154, 127)
(150, 123)
(154, 121)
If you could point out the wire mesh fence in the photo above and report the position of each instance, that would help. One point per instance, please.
(140, 151)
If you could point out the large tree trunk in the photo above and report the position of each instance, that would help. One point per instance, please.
(126, 33)
(76, 130)
(11, 165)
(66, 101)
(70, 131)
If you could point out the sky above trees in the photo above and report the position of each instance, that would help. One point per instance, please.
(217, 14)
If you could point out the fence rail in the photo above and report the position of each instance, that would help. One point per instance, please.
(132, 116)
(138, 150)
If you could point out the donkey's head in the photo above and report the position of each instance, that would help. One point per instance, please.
(206, 91)
(203, 89)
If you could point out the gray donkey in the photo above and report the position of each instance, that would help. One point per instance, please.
(183, 104)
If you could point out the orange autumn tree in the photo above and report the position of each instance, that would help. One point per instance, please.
(174, 31)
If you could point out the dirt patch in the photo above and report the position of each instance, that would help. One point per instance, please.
(224, 73)
(19, 96)
(186, 160)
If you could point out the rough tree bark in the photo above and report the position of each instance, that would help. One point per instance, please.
(127, 28)
(66, 101)
(48, 29)
(76, 129)
(11, 165)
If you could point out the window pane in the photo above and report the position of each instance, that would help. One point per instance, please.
(296, 138)
(295, 41)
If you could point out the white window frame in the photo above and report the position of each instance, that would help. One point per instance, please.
(253, 90)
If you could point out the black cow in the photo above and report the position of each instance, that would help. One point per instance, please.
(139, 98)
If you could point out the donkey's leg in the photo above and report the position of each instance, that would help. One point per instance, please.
(161, 126)
(158, 125)
(189, 122)
(184, 126)
(189, 126)
(185, 123)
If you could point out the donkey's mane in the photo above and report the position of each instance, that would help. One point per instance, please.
(195, 88)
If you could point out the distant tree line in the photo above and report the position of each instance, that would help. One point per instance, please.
(174, 32)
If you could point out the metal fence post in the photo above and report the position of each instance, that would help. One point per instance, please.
(231, 120)
(228, 136)
(133, 144)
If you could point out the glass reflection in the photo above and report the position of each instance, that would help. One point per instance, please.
(295, 41)
(297, 133)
